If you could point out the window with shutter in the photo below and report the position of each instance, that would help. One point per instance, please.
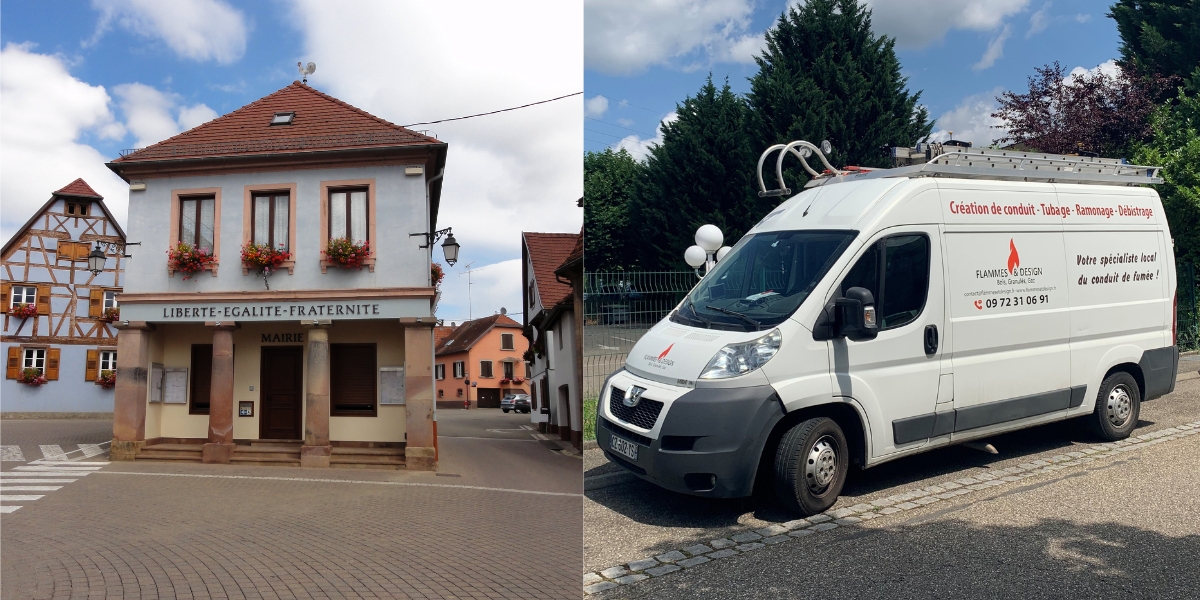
(14, 363)
(5, 296)
(509, 371)
(91, 370)
(352, 380)
(201, 388)
(51, 370)
(43, 299)
(485, 368)
(95, 302)
(506, 341)
(439, 372)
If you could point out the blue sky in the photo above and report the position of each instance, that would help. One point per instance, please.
(81, 80)
(644, 57)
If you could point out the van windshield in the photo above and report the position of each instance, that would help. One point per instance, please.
(763, 279)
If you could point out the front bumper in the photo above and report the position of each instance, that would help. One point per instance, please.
(709, 440)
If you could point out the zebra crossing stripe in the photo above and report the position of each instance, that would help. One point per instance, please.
(69, 463)
(55, 468)
(8, 509)
(7, 474)
(90, 450)
(11, 453)
(18, 498)
(29, 488)
(53, 452)
(6, 480)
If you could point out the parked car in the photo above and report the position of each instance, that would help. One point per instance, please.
(516, 402)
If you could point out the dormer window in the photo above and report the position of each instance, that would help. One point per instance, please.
(77, 209)
(283, 118)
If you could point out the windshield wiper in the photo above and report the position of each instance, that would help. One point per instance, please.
(757, 326)
(706, 322)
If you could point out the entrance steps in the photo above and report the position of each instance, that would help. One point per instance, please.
(367, 458)
(279, 453)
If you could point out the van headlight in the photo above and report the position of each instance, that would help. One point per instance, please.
(738, 359)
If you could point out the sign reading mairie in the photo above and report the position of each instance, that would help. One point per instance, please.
(391, 308)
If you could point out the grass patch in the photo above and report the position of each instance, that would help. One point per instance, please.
(589, 418)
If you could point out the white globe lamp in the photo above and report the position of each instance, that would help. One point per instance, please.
(709, 238)
(695, 256)
(722, 252)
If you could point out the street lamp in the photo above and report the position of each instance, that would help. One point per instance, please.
(449, 247)
(96, 260)
(708, 249)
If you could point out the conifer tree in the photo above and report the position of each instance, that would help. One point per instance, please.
(702, 172)
(825, 76)
(609, 180)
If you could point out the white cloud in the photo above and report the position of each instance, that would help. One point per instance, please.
(1108, 68)
(491, 288)
(640, 148)
(595, 106)
(45, 117)
(516, 171)
(200, 30)
(995, 50)
(148, 113)
(918, 23)
(623, 37)
(1039, 21)
(972, 120)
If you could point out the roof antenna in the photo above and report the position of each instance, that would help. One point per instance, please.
(305, 71)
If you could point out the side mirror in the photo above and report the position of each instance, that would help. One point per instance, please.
(855, 317)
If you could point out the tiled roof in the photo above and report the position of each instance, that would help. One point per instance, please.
(547, 251)
(321, 122)
(80, 188)
(470, 332)
(440, 333)
(575, 256)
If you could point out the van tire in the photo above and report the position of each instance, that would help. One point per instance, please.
(1118, 406)
(810, 466)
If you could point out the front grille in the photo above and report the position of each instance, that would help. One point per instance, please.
(632, 436)
(644, 415)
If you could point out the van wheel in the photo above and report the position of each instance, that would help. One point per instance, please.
(811, 465)
(1117, 407)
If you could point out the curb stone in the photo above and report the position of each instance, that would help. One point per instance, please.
(848, 517)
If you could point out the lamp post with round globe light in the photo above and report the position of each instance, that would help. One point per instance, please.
(708, 249)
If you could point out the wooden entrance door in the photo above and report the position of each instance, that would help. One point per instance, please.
(281, 393)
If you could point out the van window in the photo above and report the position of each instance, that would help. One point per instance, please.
(763, 279)
(901, 291)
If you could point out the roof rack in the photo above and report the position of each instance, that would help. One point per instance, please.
(971, 163)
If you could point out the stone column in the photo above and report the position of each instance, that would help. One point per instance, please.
(220, 447)
(129, 401)
(316, 449)
(420, 450)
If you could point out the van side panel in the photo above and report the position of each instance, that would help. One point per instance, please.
(1117, 291)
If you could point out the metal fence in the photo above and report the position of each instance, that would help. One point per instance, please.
(618, 308)
(1187, 323)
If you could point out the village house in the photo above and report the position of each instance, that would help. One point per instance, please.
(280, 307)
(552, 272)
(58, 333)
(480, 362)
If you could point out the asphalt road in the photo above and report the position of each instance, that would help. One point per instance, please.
(636, 520)
(166, 530)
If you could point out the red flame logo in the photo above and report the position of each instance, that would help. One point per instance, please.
(664, 352)
(1014, 260)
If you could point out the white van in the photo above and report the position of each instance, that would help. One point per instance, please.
(885, 313)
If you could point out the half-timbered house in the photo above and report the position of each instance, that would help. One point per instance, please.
(58, 336)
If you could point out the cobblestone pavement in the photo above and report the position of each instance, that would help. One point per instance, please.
(163, 530)
(1125, 525)
(636, 521)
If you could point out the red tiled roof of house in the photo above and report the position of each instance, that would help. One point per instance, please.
(321, 122)
(576, 254)
(547, 251)
(440, 333)
(465, 335)
(80, 188)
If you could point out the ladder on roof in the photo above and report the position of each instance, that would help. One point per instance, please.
(968, 163)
